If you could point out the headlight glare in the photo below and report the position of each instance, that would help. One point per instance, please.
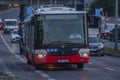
(84, 52)
(40, 56)
(101, 46)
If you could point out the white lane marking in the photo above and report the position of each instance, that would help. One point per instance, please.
(90, 63)
(12, 75)
(5, 69)
(90, 69)
(41, 73)
(17, 66)
(44, 75)
(37, 71)
(12, 51)
(51, 79)
(109, 69)
(21, 59)
(6, 43)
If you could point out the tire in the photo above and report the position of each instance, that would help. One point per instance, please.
(21, 50)
(29, 62)
(35, 65)
(27, 57)
(102, 54)
(80, 66)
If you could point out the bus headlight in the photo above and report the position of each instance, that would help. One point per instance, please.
(41, 53)
(84, 52)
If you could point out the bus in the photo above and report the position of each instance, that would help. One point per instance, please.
(46, 37)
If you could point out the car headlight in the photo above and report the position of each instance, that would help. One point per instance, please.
(101, 46)
(84, 52)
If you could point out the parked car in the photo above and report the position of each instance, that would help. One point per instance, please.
(1, 26)
(96, 46)
(15, 37)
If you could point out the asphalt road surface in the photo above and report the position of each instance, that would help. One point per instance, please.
(14, 63)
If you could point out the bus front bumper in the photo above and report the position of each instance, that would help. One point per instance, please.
(50, 59)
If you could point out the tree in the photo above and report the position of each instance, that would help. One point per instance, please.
(107, 5)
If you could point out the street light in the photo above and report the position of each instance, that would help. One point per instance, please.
(116, 24)
(38, 3)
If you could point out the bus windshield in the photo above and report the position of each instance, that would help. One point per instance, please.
(63, 29)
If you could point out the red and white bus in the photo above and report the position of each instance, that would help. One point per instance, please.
(46, 37)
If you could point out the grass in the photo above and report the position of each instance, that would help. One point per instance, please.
(4, 76)
(112, 51)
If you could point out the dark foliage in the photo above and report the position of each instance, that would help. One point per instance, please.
(107, 5)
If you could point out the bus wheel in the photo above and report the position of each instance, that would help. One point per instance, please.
(80, 66)
(21, 50)
(29, 62)
(35, 65)
(27, 58)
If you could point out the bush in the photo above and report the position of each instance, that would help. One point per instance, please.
(112, 51)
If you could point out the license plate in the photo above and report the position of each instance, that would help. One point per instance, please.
(63, 61)
(92, 49)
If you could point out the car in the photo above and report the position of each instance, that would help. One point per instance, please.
(10, 25)
(1, 26)
(96, 46)
(15, 37)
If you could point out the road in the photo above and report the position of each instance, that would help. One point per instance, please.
(14, 64)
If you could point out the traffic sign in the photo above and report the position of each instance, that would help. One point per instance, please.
(97, 12)
(30, 10)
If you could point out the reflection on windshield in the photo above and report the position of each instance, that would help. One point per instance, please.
(94, 40)
(60, 29)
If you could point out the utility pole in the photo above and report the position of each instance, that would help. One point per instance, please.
(75, 4)
(51, 2)
(38, 3)
(55, 2)
(116, 24)
(31, 3)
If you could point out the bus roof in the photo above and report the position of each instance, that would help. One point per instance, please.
(57, 10)
(10, 20)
